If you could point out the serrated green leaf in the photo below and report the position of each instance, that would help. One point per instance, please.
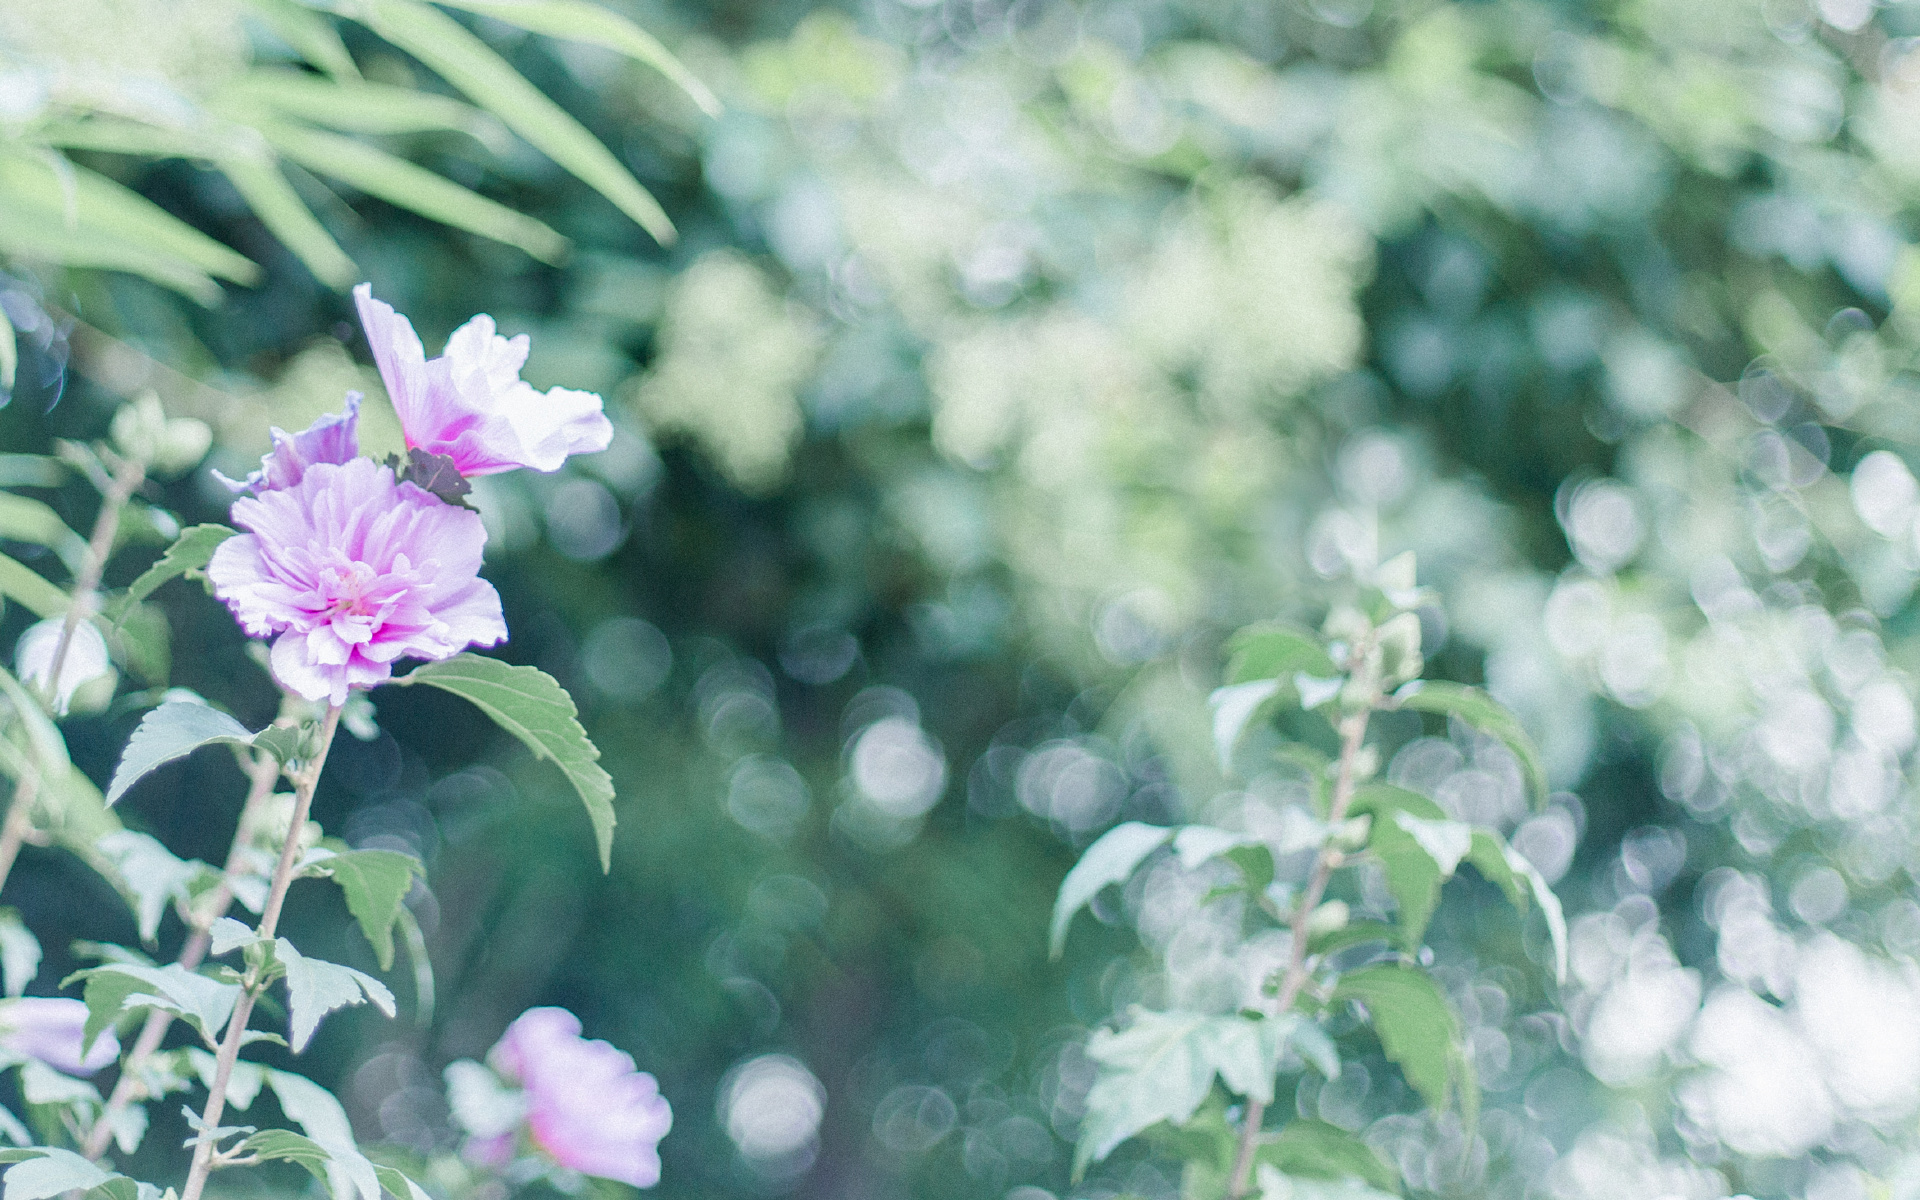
(414, 188)
(152, 873)
(1509, 870)
(1161, 1067)
(529, 704)
(191, 551)
(1484, 713)
(1111, 859)
(467, 63)
(590, 23)
(204, 1003)
(316, 987)
(1417, 1031)
(19, 952)
(1320, 1150)
(376, 883)
(1276, 650)
(314, 1109)
(267, 192)
(172, 731)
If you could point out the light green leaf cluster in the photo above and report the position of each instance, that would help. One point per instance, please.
(251, 120)
(1159, 1070)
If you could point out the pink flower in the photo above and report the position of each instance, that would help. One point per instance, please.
(349, 571)
(333, 438)
(586, 1104)
(49, 1029)
(471, 404)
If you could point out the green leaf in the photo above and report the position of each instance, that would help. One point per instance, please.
(314, 1109)
(1111, 859)
(1417, 1030)
(1276, 1185)
(1234, 708)
(467, 63)
(52, 1173)
(1386, 799)
(9, 353)
(19, 952)
(355, 106)
(1509, 870)
(311, 35)
(49, 748)
(41, 1084)
(23, 519)
(24, 586)
(283, 1145)
(28, 232)
(92, 204)
(397, 1183)
(414, 188)
(267, 192)
(1356, 933)
(152, 873)
(376, 883)
(191, 551)
(1484, 713)
(1278, 651)
(580, 22)
(1317, 1149)
(173, 730)
(316, 987)
(1161, 1067)
(1418, 855)
(530, 705)
(204, 1003)
(31, 470)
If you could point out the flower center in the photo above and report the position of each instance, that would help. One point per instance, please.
(345, 587)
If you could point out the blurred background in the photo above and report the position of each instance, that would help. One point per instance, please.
(1009, 355)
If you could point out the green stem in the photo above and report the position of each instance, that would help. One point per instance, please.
(1353, 731)
(269, 922)
(130, 1087)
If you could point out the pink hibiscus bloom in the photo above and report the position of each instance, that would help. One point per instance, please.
(471, 404)
(49, 1028)
(349, 571)
(586, 1104)
(333, 438)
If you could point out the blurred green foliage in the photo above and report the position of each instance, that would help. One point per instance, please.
(1010, 356)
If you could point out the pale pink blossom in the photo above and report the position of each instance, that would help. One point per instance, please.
(50, 1029)
(333, 438)
(349, 571)
(471, 404)
(586, 1104)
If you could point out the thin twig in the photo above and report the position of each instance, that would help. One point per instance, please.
(128, 476)
(131, 1087)
(1353, 731)
(250, 989)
